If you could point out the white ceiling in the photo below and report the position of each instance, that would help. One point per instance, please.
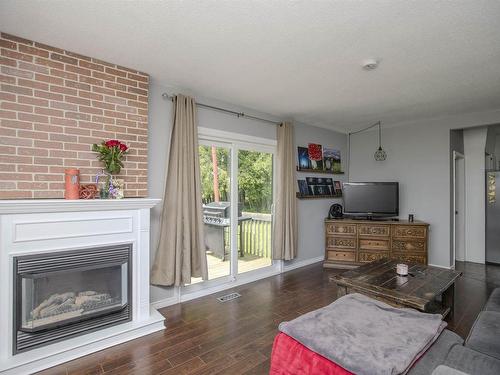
(293, 59)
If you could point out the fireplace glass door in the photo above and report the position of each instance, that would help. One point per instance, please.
(61, 297)
(68, 293)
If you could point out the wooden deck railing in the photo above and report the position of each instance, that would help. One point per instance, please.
(254, 235)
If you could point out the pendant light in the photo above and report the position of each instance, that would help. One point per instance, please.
(380, 154)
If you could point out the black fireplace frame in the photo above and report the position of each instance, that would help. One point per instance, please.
(81, 325)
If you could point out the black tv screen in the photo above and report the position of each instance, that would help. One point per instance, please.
(371, 198)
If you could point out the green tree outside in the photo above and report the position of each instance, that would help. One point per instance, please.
(255, 179)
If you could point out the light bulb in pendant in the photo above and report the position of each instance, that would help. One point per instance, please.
(380, 154)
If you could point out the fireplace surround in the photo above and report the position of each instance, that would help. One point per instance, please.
(74, 279)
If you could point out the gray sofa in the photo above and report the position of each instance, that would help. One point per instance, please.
(479, 354)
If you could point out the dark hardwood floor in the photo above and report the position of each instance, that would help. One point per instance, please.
(205, 336)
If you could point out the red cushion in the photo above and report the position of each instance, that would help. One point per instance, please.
(290, 357)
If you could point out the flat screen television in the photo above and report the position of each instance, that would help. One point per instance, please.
(371, 199)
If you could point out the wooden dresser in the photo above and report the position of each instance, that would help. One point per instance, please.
(354, 242)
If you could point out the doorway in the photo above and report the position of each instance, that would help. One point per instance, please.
(458, 251)
(237, 183)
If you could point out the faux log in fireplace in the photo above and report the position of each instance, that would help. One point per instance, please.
(63, 294)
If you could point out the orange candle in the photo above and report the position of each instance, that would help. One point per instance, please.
(72, 184)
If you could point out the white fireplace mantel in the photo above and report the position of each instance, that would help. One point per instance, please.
(24, 206)
(30, 227)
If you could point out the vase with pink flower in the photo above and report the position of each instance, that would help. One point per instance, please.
(111, 153)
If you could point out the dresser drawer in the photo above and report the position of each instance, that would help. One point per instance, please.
(407, 231)
(410, 258)
(408, 245)
(369, 256)
(374, 244)
(368, 230)
(343, 256)
(341, 243)
(340, 228)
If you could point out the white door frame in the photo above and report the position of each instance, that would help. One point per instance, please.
(234, 142)
(456, 156)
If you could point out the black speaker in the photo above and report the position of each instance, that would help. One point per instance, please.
(335, 211)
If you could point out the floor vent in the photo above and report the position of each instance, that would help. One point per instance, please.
(228, 297)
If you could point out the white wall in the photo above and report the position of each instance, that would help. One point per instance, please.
(419, 158)
(311, 212)
(474, 150)
(159, 130)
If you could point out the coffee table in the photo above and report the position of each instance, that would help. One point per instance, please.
(428, 289)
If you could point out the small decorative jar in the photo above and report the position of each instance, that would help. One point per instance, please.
(72, 184)
(402, 269)
(103, 180)
(116, 188)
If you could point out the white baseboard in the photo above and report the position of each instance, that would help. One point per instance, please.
(302, 263)
(165, 302)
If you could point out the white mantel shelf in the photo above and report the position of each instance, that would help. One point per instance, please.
(23, 206)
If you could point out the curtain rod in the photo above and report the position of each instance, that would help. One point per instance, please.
(237, 114)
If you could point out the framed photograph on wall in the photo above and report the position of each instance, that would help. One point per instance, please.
(311, 183)
(329, 184)
(303, 158)
(337, 186)
(328, 159)
(315, 152)
(319, 185)
(303, 188)
(337, 162)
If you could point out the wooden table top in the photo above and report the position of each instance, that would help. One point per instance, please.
(376, 222)
(421, 287)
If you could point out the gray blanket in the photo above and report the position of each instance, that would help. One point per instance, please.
(366, 336)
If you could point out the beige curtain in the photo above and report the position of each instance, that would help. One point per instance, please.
(285, 218)
(181, 252)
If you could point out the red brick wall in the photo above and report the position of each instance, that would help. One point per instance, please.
(54, 105)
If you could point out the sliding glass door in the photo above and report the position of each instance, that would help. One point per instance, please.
(215, 170)
(255, 192)
(237, 226)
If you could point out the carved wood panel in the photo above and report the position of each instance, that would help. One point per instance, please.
(406, 231)
(408, 246)
(374, 244)
(410, 258)
(374, 230)
(343, 229)
(371, 256)
(341, 242)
